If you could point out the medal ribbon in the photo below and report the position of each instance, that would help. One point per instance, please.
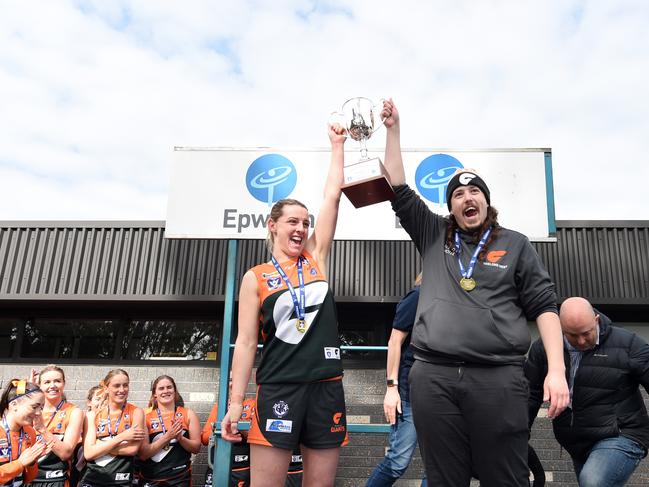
(300, 306)
(54, 413)
(5, 426)
(468, 272)
(162, 423)
(119, 420)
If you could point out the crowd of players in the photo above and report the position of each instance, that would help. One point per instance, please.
(47, 441)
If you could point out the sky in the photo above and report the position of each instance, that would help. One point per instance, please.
(94, 95)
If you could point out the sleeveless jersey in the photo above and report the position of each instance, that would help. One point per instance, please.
(289, 354)
(240, 451)
(110, 469)
(173, 460)
(50, 467)
(12, 472)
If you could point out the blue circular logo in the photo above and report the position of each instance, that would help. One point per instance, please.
(433, 174)
(270, 178)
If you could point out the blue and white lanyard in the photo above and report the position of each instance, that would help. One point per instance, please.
(5, 425)
(300, 306)
(164, 429)
(55, 413)
(468, 272)
(119, 420)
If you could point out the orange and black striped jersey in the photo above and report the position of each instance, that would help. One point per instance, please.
(51, 468)
(172, 460)
(292, 353)
(110, 469)
(240, 451)
(12, 472)
(208, 428)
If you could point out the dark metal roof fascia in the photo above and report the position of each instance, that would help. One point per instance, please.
(605, 261)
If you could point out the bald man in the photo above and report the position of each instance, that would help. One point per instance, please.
(605, 428)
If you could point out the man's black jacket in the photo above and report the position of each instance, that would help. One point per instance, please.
(606, 399)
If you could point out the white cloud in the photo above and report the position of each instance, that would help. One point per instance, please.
(95, 94)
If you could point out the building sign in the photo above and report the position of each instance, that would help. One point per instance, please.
(228, 193)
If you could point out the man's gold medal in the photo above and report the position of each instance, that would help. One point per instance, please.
(468, 284)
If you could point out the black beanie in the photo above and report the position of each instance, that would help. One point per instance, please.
(466, 178)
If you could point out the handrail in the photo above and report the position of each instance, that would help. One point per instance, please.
(370, 348)
(352, 428)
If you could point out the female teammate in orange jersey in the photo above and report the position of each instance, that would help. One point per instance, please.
(21, 403)
(60, 425)
(300, 398)
(174, 433)
(112, 436)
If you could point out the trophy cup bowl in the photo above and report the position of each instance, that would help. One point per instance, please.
(366, 181)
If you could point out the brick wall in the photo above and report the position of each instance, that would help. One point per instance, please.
(364, 391)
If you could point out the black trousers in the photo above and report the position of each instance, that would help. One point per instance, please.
(471, 421)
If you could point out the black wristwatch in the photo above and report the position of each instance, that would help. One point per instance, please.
(392, 382)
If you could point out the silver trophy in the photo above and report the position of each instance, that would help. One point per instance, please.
(365, 181)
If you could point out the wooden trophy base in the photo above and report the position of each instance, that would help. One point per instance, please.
(366, 183)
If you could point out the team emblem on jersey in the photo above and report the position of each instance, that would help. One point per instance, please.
(313, 271)
(62, 414)
(154, 424)
(4, 452)
(280, 409)
(179, 414)
(284, 315)
(274, 283)
(101, 428)
(59, 426)
(127, 426)
(126, 416)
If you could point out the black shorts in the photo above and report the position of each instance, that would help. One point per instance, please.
(311, 414)
(183, 480)
(238, 478)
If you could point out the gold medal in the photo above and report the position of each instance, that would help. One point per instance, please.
(468, 284)
(301, 326)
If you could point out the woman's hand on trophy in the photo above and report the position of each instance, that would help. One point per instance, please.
(337, 133)
(390, 114)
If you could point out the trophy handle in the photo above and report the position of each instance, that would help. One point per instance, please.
(339, 118)
(379, 105)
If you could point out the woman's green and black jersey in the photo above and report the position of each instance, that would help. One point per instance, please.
(294, 353)
(173, 460)
(110, 469)
(51, 468)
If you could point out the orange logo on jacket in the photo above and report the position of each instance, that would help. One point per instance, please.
(495, 255)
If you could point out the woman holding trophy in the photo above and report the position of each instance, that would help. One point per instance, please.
(300, 399)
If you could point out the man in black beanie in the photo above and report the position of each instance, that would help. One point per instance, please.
(481, 285)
